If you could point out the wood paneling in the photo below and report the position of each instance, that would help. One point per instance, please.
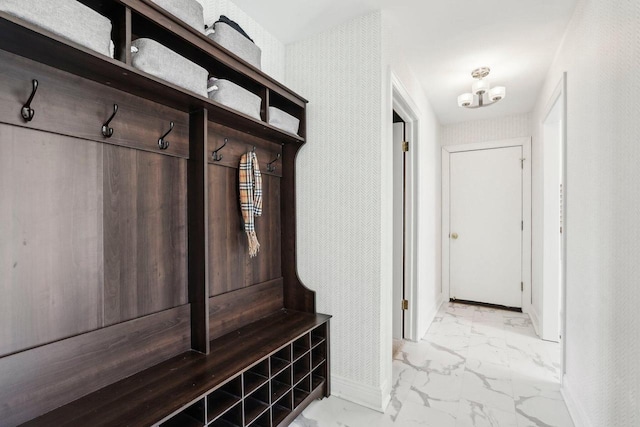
(198, 196)
(145, 233)
(39, 380)
(239, 143)
(228, 250)
(236, 309)
(296, 295)
(62, 106)
(267, 264)
(50, 237)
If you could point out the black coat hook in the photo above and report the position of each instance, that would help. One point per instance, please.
(273, 168)
(27, 111)
(107, 132)
(215, 155)
(162, 142)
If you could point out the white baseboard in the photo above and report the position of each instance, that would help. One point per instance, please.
(429, 316)
(362, 394)
(535, 319)
(577, 412)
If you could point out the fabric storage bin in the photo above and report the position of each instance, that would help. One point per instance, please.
(234, 96)
(282, 120)
(157, 60)
(188, 11)
(229, 38)
(66, 18)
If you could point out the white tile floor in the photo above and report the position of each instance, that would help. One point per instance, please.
(476, 366)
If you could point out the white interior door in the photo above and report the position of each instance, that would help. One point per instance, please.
(398, 231)
(485, 250)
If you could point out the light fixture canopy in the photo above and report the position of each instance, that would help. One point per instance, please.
(481, 89)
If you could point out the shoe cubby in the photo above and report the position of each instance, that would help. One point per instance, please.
(301, 368)
(230, 418)
(192, 416)
(282, 408)
(301, 346)
(281, 384)
(317, 378)
(263, 420)
(220, 400)
(318, 355)
(256, 404)
(318, 336)
(280, 360)
(255, 377)
(301, 391)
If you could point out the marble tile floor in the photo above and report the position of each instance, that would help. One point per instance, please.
(475, 367)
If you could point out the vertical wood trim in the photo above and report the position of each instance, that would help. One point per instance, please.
(296, 295)
(197, 202)
(122, 37)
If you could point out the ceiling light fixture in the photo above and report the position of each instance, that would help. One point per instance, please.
(482, 90)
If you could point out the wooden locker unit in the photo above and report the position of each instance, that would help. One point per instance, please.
(129, 297)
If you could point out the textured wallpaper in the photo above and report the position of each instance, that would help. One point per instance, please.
(338, 187)
(273, 50)
(601, 54)
(486, 130)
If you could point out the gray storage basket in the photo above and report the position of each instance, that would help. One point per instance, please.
(162, 62)
(284, 121)
(66, 18)
(189, 11)
(229, 38)
(236, 97)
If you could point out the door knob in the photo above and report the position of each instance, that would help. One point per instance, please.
(454, 236)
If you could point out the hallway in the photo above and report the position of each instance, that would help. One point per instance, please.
(475, 367)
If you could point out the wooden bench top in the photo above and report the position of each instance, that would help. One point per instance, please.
(149, 396)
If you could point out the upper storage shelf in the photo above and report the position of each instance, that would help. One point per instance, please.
(143, 18)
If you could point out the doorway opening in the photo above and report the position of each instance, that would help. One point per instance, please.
(404, 296)
(399, 226)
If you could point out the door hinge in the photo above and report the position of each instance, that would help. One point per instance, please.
(405, 146)
(522, 163)
(522, 225)
(521, 286)
(405, 304)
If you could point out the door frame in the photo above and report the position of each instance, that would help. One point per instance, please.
(525, 143)
(408, 111)
(560, 95)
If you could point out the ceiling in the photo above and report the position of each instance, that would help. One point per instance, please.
(444, 40)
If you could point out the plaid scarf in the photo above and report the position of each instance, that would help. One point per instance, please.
(250, 185)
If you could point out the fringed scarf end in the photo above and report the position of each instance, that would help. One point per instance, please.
(254, 245)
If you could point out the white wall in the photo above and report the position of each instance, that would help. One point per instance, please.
(486, 130)
(601, 54)
(344, 180)
(428, 179)
(273, 51)
(339, 189)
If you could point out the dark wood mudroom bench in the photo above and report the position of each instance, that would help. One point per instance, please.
(133, 299)
(174, 392)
